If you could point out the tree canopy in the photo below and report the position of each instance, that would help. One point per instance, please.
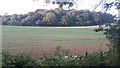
(58, 17)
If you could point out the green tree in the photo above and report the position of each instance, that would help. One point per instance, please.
(96, 18)
(38, 22)
(64, 21)
(36, 17)
(30, 13)
(49, 18)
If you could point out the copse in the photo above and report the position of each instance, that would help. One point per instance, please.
(58, 17)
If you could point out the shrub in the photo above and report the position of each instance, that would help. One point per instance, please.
(17, 61)
(96, 59)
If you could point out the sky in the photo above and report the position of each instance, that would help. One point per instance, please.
(24, 6)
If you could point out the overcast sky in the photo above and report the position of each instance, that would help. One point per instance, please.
(25, 6)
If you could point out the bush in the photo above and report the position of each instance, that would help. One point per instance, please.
(112, 33)
(17, 61)
(96, 59)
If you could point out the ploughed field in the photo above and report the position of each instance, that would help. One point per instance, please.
(44, 40)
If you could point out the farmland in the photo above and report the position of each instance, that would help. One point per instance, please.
(39, 40)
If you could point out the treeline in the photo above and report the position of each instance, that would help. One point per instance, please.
(57, 17)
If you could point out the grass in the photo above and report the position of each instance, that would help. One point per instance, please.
(76, 39)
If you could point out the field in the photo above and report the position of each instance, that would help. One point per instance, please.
(39, 40)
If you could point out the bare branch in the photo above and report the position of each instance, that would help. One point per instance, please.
(96, 6)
